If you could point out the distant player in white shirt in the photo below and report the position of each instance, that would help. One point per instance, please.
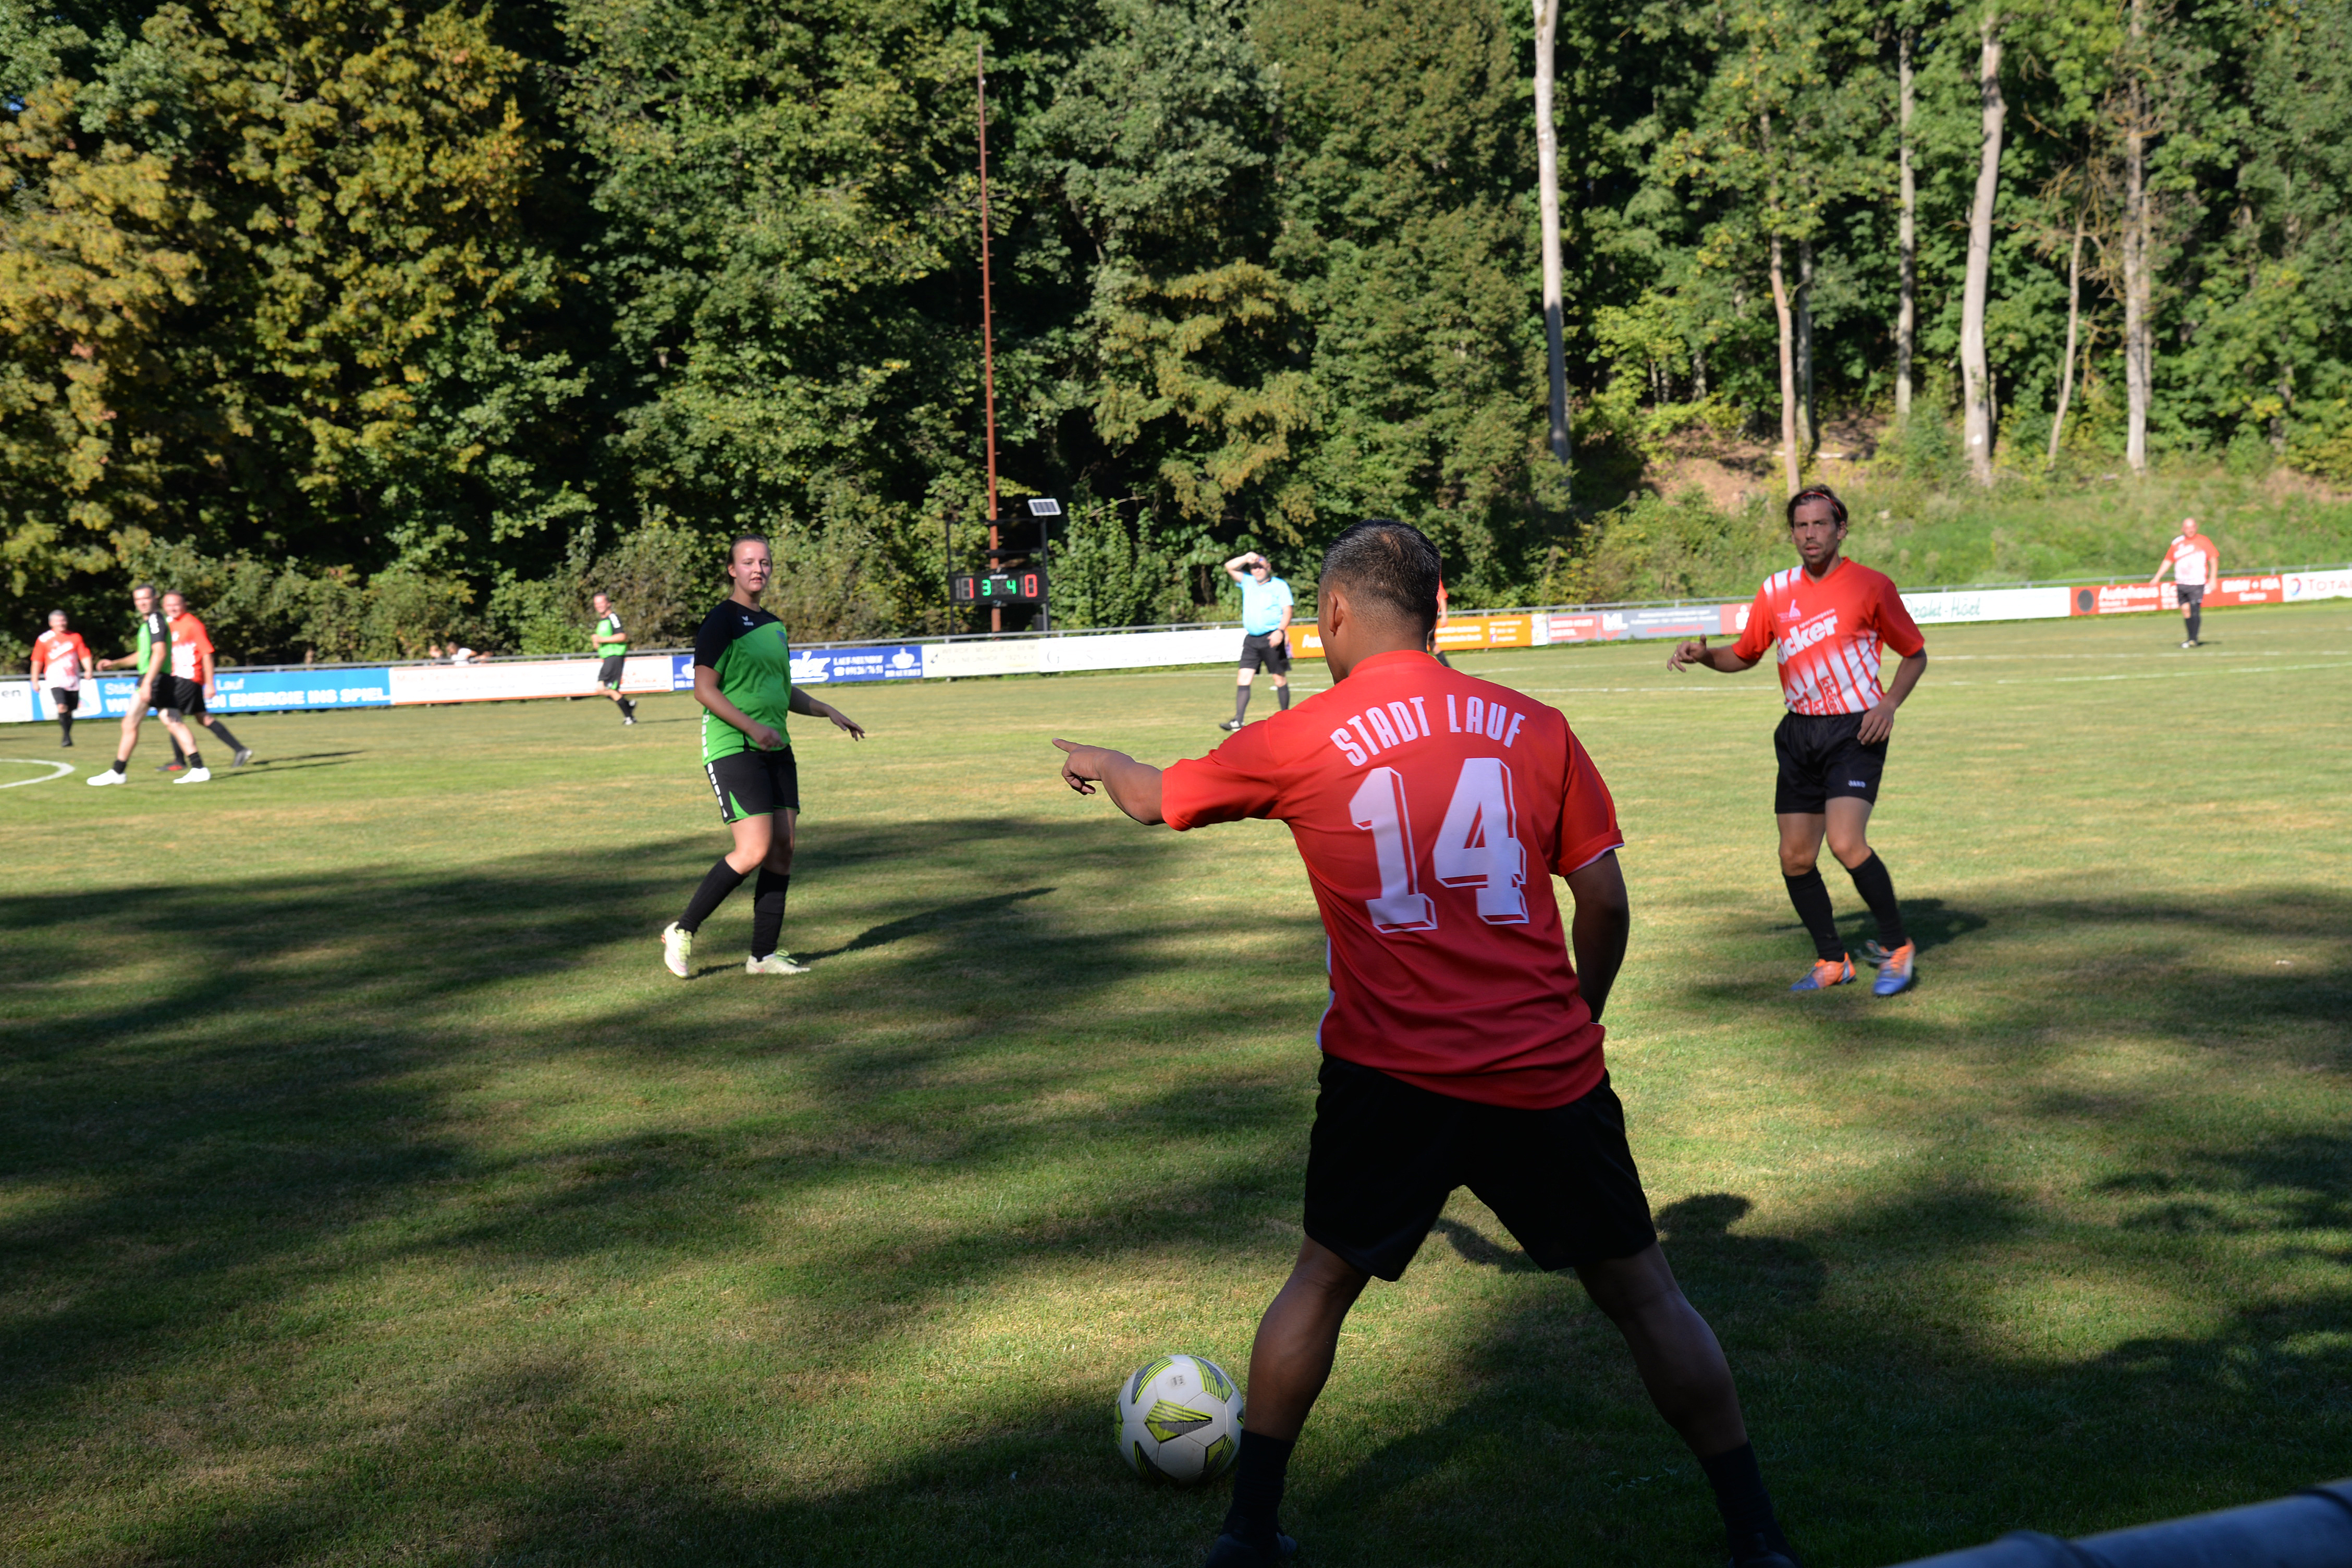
(2194, 563)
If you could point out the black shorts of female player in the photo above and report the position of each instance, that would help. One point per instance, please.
(755, 783)
(1822, 756)
(1261, 651)
(609, 672)
(1385, 1155)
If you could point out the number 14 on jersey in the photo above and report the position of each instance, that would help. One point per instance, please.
(1475, 848)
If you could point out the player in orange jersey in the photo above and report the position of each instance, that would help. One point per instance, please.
(1460, 1046)
(192, 679)
(2195, 564)
(1831, 617)
(60, 658)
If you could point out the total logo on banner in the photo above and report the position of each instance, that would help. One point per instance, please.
(2298, 586)
(832, 667)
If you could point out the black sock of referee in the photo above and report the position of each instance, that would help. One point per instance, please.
(1258, 1472)
(1746, 1506)
(1811, 897)
(1877, 890)
(768, 910)
(717, 883)
(1240, 702)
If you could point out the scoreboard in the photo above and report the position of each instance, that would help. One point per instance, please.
(1026, 586)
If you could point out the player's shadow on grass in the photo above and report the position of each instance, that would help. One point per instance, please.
(969, 912)
(1930, 923)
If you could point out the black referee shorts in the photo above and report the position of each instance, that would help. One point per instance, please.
(754, 784)
(1822, 756)
(1260, 650)
(1385, 1155)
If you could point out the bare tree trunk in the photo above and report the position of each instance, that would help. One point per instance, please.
(1809, 430)
(2073, 319)
(1975, 391)
(1548, 198)
(1906, 242)
(1699, 373)
(1790, 463)
(2138, 351)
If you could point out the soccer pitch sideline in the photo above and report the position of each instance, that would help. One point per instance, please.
(370, 1194)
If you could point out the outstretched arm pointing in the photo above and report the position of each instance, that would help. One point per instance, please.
(1133, 786)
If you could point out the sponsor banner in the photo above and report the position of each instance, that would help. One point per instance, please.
(1146, 650)
(1580, 628)
(2129, 598)
(1459, 634)
(2270, 590)
(1989, 604)
(514, 679)
(834, 667)
(271, 691)
(17, 702)
(2296, 587)
(1682, 621)
(954, 660)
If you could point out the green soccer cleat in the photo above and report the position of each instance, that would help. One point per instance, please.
(774, 963)
(678, 949)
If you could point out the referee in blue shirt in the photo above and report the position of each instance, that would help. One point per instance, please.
(1266, 628)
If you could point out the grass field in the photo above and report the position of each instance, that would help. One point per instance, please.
(369, 1194)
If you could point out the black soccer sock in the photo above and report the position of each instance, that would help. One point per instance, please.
(1740, 1497)
(1258, 1472)
(220, 733)
(1811, 897)
(65, 722)
(122, 762)
(179, 757)
(195, 761)
(717, 883)
(2196, 618)
(1282, 695)
(1240, 702)
(768, 910)
(1877, 890)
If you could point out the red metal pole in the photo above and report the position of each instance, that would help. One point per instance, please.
(987, 320)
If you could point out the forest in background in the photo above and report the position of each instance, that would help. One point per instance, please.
(371, 324)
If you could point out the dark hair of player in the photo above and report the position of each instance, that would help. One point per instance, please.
(1817, 492)
(142, 587)
(1389, 563)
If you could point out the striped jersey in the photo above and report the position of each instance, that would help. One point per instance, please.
(1830, 633)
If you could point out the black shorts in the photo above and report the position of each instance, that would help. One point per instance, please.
(177, 694)
(1822, 757)
(1260, 649)
(63, 701)
(1385, 1155)
(755, 783)
(2190, 595)
(609, 672)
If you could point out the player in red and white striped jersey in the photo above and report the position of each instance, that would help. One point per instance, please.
(1460, 1046)
(1833, 619)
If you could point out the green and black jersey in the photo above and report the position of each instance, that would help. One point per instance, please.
(155, 632)
(754, 660)
(608, 626)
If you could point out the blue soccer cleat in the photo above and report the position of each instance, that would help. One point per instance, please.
(1895, 974)
(1825, 973)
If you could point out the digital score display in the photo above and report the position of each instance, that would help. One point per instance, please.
(1026, 586)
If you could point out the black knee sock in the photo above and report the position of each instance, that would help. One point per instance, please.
(1877, 890)
(717, 883)
(65, 722)
(1740, 1497)
(122, 762)
(2196, 618)
(1240, 702)
(178, 755)
(1282, 695)
(220, 732)
(768, 910)
(1811, 897)
(1258, 1472)
(195, 761)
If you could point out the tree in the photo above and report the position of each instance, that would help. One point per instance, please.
(1977, 417)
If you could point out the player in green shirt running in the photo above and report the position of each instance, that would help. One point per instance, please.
(613, 644)
(153, 664)
(743, 678)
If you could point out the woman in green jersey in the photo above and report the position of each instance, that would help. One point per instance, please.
(743, 678)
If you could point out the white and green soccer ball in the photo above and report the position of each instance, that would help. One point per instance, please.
(1179, 1419)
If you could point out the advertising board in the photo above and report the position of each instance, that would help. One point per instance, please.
(1146, 650)
(1966, 604)
(2298, 586)
(835, 667)
(955, 660)
(514, 679)
(17, 702)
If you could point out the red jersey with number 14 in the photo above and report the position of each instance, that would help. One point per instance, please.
(1431, 809)
(1829, 631)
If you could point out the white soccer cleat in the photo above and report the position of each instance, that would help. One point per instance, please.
(774, 963)
(194, 775)
(112, 775)
(678, 949)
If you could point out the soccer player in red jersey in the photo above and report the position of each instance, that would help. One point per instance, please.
(1831, 617)
(1460, 1046)
(2195, 564)
(193, 683)
(61, 657)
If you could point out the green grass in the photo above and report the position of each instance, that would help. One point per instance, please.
(368, 1194)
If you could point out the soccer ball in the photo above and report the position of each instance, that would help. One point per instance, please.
(1179, 1419)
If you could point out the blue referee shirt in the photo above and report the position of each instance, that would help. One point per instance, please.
(1263, 604)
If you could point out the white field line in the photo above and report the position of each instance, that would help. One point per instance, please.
(59, 770)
